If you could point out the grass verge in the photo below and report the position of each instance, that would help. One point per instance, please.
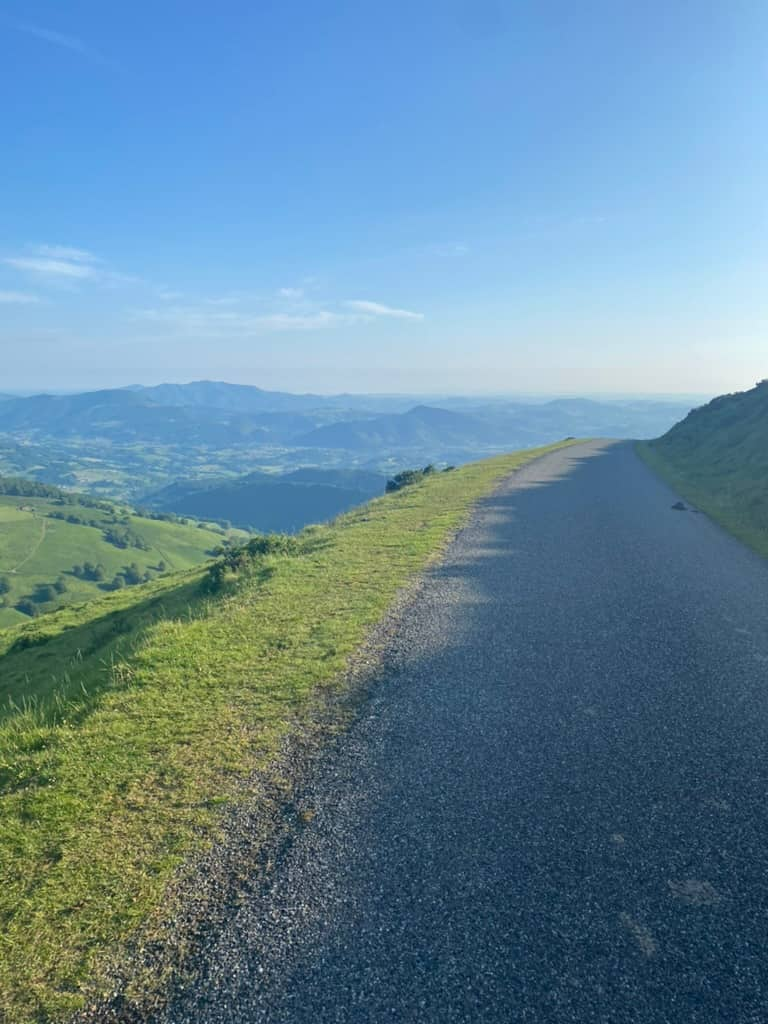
(722, 500)
(149, 709)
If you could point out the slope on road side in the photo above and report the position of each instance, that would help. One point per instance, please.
(152, 708)
(717, 458)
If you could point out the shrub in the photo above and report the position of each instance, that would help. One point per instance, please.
(247, 556)
(27, 607)
(132, 575)
(89, 571)
(408, 477)
(29, 638)
(271, 544)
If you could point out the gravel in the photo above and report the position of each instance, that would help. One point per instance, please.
(551, 805)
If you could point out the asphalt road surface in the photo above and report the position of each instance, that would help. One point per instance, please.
(553, 805)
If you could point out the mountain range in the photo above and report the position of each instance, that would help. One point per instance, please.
(215, 413)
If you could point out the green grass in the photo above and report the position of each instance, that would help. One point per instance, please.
(128, 724)
(717, 458)
(36, 549)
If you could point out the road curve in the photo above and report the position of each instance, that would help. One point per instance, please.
(553, 805)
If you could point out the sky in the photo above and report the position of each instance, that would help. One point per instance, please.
(458, 195)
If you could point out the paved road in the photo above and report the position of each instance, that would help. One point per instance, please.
(553, 808)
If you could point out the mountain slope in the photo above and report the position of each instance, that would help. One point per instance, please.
(717, 457)
(271, 502)
(420, 426)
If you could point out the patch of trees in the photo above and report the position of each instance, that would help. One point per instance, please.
(161, 517)
(124, 537)
(88, 571)
(27, 607)
(130, 576)
(17, 486)
(21, 488)
(76, 520)
(45, 594)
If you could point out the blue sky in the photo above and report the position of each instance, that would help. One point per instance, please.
(466, 196)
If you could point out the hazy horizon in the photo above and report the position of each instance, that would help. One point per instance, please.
(523, 396)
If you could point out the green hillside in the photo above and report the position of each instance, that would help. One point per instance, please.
(58, 549)
(717, 458)
(127, 724)
(271, 502)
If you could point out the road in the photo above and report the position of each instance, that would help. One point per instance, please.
(553, 805)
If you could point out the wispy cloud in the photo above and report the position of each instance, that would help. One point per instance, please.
(62, 39)
(210, 319)
(51, 268)
(301, 322)
(18, 298)
(291, 293)
(191, 320)
(369, 308)
(66, 252)
(63, 262)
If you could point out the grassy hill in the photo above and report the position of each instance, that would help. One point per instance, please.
(128, 724)
(717, 458)
(58, 549)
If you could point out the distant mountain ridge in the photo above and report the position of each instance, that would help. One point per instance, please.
(422, 425)
(217, 413)
(232, 397)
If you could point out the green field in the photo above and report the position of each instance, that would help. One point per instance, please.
(127, 725)
(37, 550)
